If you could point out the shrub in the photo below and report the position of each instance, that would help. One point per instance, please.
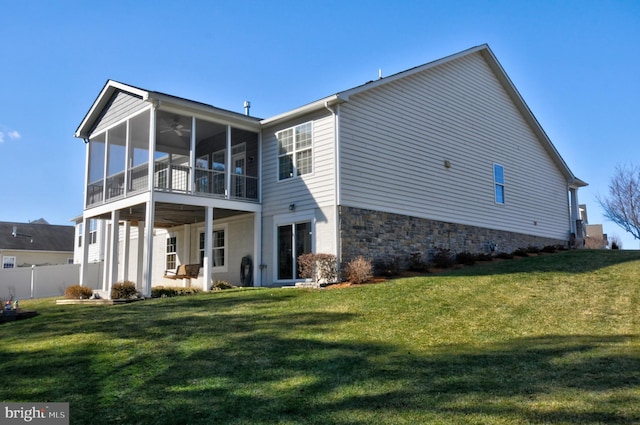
(359, 270)
(520, 252)
(550, 249)
(387, 267)
(466, 258)
(533, 249)
(319, 267)
(124, 290)
(172, 291)
(77, 292)
(484, 257)
(504, 256)
(219, 285)
(416, 264)
(442, 259)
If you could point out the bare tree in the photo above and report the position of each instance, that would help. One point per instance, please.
(622, 206)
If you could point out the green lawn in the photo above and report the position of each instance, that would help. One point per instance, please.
(553, 339)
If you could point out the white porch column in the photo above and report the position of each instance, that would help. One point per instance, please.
(140, 257)
(114, 235)
(257, 248)
(146, 238)
(126, 248)
(229, 169)
(147, 273)
(192, 157)
(105, 226)
(208, 249)
(84, 265)
(575, 213)
(185, 256)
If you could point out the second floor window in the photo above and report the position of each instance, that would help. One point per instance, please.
(295, 151)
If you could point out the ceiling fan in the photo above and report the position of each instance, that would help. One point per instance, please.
(176, 127)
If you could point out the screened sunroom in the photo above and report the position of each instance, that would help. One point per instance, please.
(164, 168)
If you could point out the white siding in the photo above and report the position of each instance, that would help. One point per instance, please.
(313, 194)
(396, 138)
(121, 106)
(240, 234)
(310, 190)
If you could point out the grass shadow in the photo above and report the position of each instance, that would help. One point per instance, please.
(570, 262)
(217, 366)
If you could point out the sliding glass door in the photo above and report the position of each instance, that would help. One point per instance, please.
(293, 241)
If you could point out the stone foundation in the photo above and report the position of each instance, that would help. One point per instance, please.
(384, 236)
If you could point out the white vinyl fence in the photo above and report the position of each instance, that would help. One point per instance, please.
(44, 281)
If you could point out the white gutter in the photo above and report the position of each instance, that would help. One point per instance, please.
(311, 107)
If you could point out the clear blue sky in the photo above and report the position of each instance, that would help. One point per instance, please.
(576, 64)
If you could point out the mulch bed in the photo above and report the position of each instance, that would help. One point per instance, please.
(13, 315)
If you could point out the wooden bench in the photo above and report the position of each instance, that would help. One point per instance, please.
(183, 271)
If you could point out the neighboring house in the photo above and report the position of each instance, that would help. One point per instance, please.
(445, 155)
(36, 243)
(594, 236)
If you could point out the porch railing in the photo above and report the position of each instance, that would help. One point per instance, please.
(173, 178)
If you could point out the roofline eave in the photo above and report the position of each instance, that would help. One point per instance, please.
(303, 110)
(82, 132)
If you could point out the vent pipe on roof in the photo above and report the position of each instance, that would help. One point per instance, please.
(247, 106)
(15, 234)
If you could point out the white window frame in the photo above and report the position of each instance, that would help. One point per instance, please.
(295, 151)
(285, 220)
(8, 262)
(79, 235)
(498, 186)
(93, 231)
(171, 258)
(225, 258)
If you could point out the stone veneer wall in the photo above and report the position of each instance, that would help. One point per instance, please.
(384, 236)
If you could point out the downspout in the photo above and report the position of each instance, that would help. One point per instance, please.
(336, 177)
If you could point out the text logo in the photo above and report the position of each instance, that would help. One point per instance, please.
(35, 413)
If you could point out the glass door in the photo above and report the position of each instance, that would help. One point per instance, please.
(293, 241)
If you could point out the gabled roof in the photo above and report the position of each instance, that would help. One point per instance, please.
(45, 237)
(497, 69)
(159, 99)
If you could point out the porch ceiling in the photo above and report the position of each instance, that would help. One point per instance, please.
(170, 215)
